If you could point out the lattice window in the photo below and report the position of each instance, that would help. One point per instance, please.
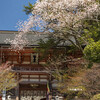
(34, 58)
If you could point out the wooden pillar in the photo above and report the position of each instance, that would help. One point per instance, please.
(0, 97)
(17, 88)
(17, 92)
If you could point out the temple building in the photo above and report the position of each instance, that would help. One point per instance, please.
(31, 75)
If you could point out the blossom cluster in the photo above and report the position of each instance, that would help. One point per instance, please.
(65, 12)
(55, 14)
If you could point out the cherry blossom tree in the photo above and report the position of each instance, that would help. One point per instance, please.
(61, 18)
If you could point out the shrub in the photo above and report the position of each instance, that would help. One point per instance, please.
(92, 52)
(96, 97)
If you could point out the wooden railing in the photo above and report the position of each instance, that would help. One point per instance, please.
(27, 68)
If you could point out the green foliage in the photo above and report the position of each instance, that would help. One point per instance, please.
(92, 52)
(28, 9)
(96, 97)
(91, 30)
(91, 36)
(46, 45)
(93, 33)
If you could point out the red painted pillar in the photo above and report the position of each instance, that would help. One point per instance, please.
(0, 97)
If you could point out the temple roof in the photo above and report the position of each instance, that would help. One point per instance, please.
(33, 38)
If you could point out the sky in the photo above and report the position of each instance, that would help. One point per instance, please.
(11, 12)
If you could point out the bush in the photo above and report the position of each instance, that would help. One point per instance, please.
(92, 52)
(96, 97)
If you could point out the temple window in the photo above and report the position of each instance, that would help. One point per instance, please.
(34, 58)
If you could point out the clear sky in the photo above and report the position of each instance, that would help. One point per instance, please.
(11, 11)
